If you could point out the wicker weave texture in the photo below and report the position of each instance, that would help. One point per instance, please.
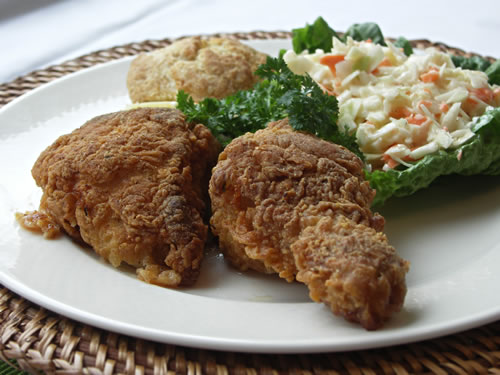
(41, 341)
(21, 85)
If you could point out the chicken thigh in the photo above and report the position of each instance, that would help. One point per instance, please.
(133, 185)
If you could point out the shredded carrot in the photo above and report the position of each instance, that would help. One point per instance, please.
(471, 101)
(326, 90)
(409, 157)
(416, 119)
(394, 144)
(384, 62)
(426, 103)
(331, 61)
(485, 94)
(400, 112)
(444, 107)
(421, 134)
(431, 76)
(496, 96)
(391, 163)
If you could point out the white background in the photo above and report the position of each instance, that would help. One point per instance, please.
(37, 33)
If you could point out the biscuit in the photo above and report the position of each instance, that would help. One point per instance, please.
(212, 67)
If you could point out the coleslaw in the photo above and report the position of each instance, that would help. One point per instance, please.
(401, 108)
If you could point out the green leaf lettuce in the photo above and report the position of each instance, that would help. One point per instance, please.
(480, 155)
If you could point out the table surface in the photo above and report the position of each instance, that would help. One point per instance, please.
(39, 33)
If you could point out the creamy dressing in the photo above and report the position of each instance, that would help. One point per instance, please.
(400, 108)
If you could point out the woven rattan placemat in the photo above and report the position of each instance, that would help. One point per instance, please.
(40, 341)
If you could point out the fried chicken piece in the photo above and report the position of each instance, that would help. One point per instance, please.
(287, 202)
(133, 185)
(210, 67)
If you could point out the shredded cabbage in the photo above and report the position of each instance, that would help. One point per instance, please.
(400, 108)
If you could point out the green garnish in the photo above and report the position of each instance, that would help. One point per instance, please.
(492, 70)
(311, 37)
(493, 73)
(405, 44)
(365, 31)
(279, 94)
(470, 63)
(319, 36)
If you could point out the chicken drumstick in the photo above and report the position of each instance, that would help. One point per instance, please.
(290, 203)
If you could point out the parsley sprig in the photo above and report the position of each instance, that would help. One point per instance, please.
(279, 94)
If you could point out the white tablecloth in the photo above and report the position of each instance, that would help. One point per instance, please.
(38, 33)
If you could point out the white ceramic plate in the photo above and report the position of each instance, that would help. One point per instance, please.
(448, 232)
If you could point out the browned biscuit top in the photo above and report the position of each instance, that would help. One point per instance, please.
(213, 67)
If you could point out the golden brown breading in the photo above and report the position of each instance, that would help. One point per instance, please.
(352, 269)
(132, 184)
(290, 203)
(213, 67)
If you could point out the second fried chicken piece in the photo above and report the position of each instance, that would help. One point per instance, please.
(132, 185)
(290, 203)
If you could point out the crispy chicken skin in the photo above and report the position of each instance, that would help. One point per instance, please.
(133, 185)
(287, 202)
(202, 67)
